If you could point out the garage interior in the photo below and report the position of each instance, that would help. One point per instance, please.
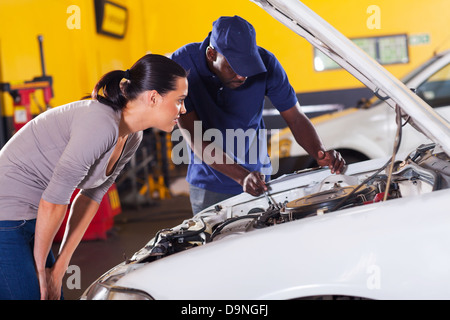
(52, 52)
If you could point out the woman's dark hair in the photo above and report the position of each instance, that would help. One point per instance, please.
(151, 72)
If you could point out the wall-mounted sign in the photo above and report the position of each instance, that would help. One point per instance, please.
(419, 39)
(392, 49)
(111, 18)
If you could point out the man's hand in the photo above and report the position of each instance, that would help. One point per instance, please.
(331, 159)
(254, 183)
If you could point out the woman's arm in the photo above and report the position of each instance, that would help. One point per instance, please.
(81, 214)
(82, 211)
(49, 219)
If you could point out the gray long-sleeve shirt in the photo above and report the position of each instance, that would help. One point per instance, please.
(62, 149)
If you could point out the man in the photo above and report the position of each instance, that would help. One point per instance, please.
(229, 77)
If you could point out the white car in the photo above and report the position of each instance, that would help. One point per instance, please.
(381, 231)
(365, 132)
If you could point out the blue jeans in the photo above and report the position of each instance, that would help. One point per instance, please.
(18, 279)
(202, 198)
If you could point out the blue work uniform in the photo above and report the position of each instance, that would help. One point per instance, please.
(236, 113)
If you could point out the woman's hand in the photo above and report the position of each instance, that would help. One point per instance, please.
(54, 283)
(42, 278)
(50, 283)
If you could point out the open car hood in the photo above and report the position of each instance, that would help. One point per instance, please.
(306, 23)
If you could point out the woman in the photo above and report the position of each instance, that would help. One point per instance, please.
(85, 145)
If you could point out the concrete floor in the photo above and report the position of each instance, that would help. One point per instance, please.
(132, 229)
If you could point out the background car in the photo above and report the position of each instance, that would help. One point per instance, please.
(378, 232)
(365, 132)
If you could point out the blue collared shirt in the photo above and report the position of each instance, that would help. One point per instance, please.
(233, 117)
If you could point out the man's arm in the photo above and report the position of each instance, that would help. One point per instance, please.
(306, 136)
(252, 182)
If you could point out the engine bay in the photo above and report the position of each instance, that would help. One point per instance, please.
(425, 170)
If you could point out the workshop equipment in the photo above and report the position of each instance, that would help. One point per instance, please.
(21, 93)
(156, 184)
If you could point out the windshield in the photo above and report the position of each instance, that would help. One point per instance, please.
(436, 89)
(418, 70)
(374, 101)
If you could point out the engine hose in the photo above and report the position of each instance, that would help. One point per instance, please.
(398, 138)
(231, 220)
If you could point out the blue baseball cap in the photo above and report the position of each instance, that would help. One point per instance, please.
(235, 39)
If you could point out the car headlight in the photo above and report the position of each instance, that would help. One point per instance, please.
(100, 291)
(105, 288)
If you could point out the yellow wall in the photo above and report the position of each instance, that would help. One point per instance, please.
(187, 21)
(397, 17)
(77, 58)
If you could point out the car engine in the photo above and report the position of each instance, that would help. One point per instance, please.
(425, 170)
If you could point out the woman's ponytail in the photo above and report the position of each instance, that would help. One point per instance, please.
(108, 90)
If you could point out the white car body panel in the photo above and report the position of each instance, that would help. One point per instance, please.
(396, 248)
(340, 254)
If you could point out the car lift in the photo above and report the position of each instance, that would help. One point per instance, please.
(21, 92)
